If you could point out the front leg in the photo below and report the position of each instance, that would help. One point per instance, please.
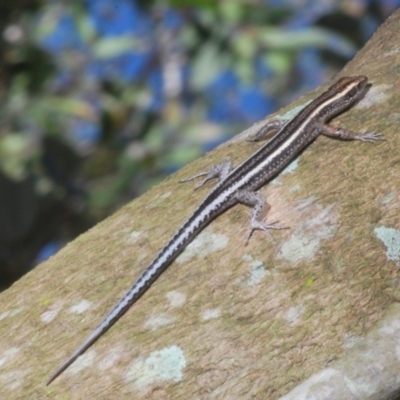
(344, 134)
(259, 203)
(219, 171)
(274, 125)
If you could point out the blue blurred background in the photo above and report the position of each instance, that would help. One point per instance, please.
(101, 99)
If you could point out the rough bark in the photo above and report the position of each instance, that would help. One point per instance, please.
(228, 320)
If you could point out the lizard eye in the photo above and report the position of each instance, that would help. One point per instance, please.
(353, 92)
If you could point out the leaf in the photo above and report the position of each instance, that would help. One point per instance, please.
(115, 46)
(208, 63)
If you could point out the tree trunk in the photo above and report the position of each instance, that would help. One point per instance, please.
(228, 320)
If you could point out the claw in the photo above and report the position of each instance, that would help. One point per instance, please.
(370, 137)
(265, 228)
(219, 171)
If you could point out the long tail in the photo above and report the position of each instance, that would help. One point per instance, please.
(164, 259)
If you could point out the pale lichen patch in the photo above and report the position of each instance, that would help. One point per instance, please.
(52, 311)
(390, 327)
(388, 198)
(306, 239)
(10, 313)
(377, 94)
(134, 236)
(211, 314)
(13, 380)
(293, 314)
(80, 307)
(8, 355)
(291, 167)
(205, 243)
(165, 195)
(257, 271)
(175, 298)
(158, 321)
(350, 341)
(391, 239)
(294, 188)
(163, 365)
